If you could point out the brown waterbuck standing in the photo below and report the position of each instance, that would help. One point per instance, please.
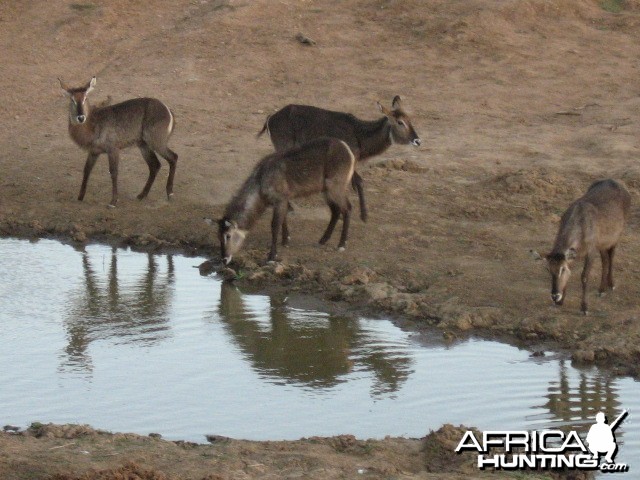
(592, 223)
(145, 122)
(323, 165)
(295, 125)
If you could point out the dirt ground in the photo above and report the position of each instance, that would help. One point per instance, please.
(520, 104)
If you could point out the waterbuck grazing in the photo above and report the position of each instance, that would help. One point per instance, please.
(295, 125)
(145, 122)
(324, 165)
(592, 223)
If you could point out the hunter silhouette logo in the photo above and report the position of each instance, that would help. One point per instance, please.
(547, 449)
(601, 438)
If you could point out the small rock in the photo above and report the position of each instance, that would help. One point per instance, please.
(217, 439)
(228, 274)
(583, 356)
(303, 39)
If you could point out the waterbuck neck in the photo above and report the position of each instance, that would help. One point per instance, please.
(573, 231)
(247, 205)
(373, 137)
(82, 133)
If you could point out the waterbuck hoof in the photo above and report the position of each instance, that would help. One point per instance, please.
(601, 293)
(323, 241)
(141, 196)
(170, 196)
(111, 205)
(341, 249)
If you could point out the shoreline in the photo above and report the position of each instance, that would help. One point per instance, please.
(354, 291)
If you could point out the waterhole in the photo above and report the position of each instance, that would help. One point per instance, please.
(136, 342)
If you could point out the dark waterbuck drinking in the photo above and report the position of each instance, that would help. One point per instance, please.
(593, 223)
(323, 165)
(295, 125)
(145, 122)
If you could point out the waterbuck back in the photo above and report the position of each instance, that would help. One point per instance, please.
(295, 125)
(323, 165)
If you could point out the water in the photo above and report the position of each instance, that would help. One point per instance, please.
(142, 343)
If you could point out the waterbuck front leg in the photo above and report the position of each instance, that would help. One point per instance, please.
(588, 263)
(279, 216)
(154, 166)
(88, 166)
(114, 158)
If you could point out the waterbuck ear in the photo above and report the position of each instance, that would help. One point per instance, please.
(90, 85)
(383, 109)
(396, 103)
(64, 87)
(571, 254)
(535, 255)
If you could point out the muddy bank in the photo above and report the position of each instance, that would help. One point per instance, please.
(78, 452)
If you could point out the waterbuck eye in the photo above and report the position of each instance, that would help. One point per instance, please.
(401, 123)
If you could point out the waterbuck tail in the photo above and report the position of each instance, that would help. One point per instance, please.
(265, 128)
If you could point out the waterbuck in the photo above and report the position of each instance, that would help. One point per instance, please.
(592, 223)
(145, 122)
(323, 165)
(295, 125)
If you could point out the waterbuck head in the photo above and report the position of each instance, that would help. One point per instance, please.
(402, 131)
(559, 266)
(231, 239)
(78, 106)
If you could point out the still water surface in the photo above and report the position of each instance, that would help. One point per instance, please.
(136, 342)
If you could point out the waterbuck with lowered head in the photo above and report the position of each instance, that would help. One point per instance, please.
(592, 223)
(145, 122)
(323, 165)
(295, 125)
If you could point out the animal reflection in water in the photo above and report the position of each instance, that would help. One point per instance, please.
(575, 407)
(309, 351)
(121, 306)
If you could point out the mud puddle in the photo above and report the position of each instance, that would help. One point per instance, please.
(137, 342)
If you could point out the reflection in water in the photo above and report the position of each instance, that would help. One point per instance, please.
(312, 350)
(112, 308)
(576, 407)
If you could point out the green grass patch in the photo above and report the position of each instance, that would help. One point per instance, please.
(612, 6)
(83, 7)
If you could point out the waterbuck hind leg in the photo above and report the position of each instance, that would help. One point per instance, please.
(358, 185)
(114, 158)
(610, 282)
(335, 214)
(346, 218)
(285, 230)
(88, 166)
(172, 158)
(604, 280)
(154, 166)
(588, 263)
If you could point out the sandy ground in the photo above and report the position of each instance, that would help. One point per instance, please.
(520, 104)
